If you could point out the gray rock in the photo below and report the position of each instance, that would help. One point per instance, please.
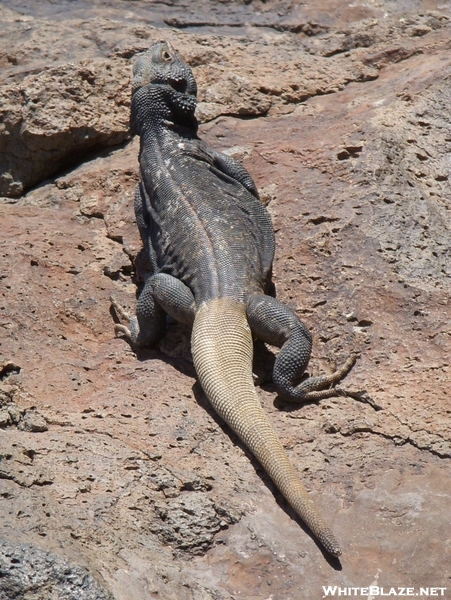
(33, 421)
(28, 573)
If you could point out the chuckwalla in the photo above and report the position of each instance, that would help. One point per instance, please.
(211, 244)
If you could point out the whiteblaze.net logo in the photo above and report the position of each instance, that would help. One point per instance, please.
(374, 591)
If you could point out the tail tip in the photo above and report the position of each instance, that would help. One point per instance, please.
(330, 543)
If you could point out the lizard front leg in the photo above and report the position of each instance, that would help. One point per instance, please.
(234, 169)
(275, 323)
(143, 221)
(162, 295)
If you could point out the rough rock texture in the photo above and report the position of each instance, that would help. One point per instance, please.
(31, 574)
(50, 118)
(116, 463)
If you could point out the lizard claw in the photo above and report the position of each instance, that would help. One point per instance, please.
(119, 308)
(361, 396)
(118, 327)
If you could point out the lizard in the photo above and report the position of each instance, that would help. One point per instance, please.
(211, 244)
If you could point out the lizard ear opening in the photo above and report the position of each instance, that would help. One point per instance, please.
(166, 56)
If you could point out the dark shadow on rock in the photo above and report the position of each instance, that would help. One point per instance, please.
(72, 162)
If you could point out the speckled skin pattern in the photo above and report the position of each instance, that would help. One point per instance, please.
(211, 244)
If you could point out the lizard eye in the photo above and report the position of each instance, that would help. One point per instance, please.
(166, 56)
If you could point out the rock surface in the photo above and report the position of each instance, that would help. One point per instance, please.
(114, 462)
(29, 573)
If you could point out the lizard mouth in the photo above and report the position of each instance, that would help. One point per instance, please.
(179, 85)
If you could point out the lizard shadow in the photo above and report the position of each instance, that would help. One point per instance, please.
(174, 348)
(202, 400)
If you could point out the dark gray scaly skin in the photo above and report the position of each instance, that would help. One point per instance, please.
(211, 244)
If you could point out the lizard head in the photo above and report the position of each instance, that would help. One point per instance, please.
(162, 65)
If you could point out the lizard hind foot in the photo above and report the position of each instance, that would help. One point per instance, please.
(119, 309)
(317, 388)
(122, 329)
(119, 328)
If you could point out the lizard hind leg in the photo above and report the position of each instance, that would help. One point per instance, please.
(161, 295)
(277, 324)
(140, 332)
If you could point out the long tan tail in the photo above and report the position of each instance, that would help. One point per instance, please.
(222, 352)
